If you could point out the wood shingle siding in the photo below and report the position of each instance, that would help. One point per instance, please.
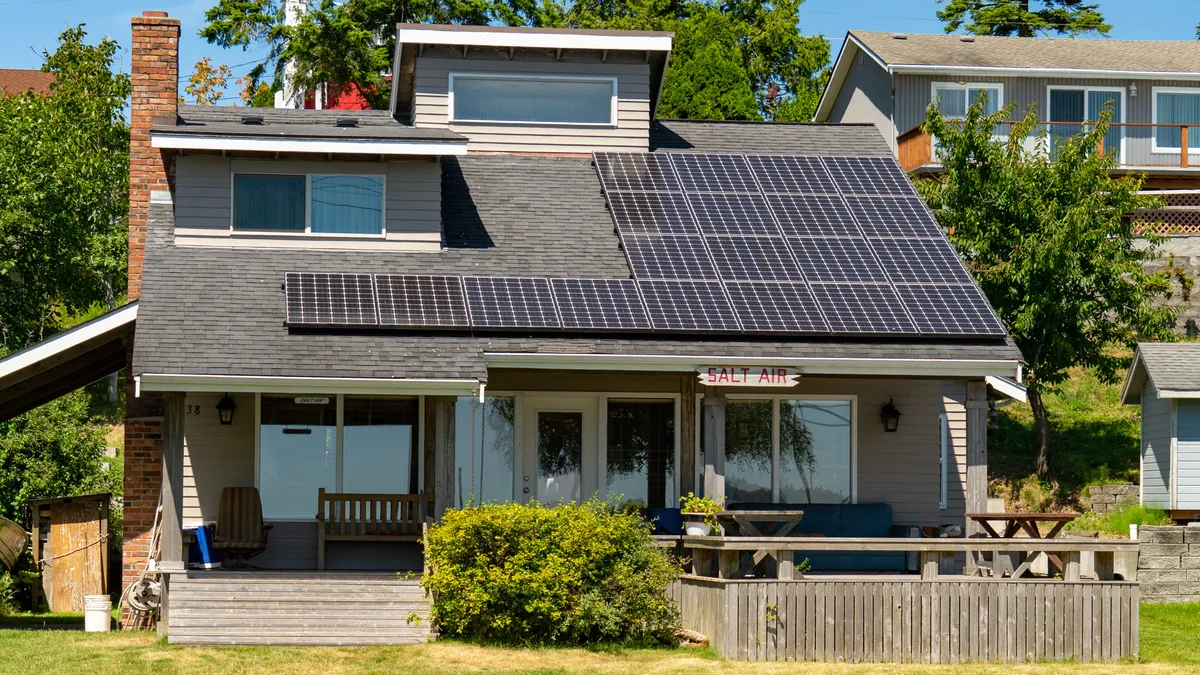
(631, 133)
(1156, 448)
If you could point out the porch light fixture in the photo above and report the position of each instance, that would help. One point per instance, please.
(225, 408)
(891, 416)
(1133, 90)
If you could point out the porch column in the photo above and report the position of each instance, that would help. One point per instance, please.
(714, 445)
(171, 553)
(443, 433)
(687, 435)
(976, 487)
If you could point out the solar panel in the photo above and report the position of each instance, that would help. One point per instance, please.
(920, 260)
(323, 299)
(862, 308)
(600, 304)
(732, 214)
(651, 213)
(688, 305)
(636, 172)
(783, 174)
(753, 259)
(420, 300)
(836, 259)
(893, 217)
(668, 257)
(510, 302)
(950, 309)
(776, 307)
(868, 176)
(714, 173)
(812, 215)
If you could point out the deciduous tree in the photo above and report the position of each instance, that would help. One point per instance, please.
(1051, 245)
(1023, 18)
(206, 84)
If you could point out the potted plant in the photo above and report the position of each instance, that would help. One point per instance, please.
(700, 515)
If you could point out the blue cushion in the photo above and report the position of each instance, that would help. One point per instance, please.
(666, 521)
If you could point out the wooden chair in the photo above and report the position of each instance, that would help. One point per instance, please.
(241, 533)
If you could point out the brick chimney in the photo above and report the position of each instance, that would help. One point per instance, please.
(155, 79)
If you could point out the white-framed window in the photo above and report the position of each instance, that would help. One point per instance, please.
(791, 449)
(944, 459)
(1175, 106)
(486, 449)
(1069, 108)
(533, 99)
(308, 203)
(640, 453)
(955, 97)
(341, 443)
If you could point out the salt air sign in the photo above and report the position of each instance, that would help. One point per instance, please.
(748, 376)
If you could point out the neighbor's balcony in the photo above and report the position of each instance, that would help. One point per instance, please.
(1154, 148)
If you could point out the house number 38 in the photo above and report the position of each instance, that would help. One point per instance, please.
(193, 410)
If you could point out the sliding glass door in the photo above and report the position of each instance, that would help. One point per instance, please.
(1071, 108)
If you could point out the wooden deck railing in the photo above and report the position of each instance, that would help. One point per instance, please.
(369, 517)
(914, 148)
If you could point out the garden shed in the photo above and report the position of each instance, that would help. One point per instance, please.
(70, 550)
(1165, 380)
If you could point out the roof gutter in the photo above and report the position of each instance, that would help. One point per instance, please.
(1012, 71)
(167, 140)
(303, 385)
(806, 366)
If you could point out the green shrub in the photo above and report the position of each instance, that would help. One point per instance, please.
(534, 575)
(1118, 522)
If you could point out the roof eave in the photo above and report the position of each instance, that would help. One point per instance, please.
(1015, 71)
(841, 68)
(342, 146)
(1131, 390)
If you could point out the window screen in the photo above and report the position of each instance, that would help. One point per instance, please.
(268, 202)
(641, 452)
(550, 100)
(378, 438)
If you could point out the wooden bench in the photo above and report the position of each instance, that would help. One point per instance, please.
(369, 517)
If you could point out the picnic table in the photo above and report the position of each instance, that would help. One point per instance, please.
(748, 523)
(1018, 523)
(751, 523)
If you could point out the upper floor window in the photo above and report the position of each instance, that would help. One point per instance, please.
(540, 99)
(308, 203)
(954, 97)
(1176, 107)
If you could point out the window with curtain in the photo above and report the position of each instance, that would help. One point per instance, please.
(1176, 108)
(956, 98)
(347, 204)
(1071, 108)
(534, 100)
(640, 464)
(748, 451)
(484, 440)
(379, 436)
(297, 454)
(815, 460)
(269, 203)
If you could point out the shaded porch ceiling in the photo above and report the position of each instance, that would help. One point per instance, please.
(49, 369)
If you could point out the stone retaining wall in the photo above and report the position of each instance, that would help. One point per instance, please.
(1169, 564)
(1107, 498)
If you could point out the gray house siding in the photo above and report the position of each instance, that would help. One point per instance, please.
(204, 199)
(631, 133)
(1187, 455)
(866, 96)
(914, 92)
(1156, 448)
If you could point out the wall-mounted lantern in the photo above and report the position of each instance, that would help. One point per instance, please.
(1133, 90)
(225, 408)
(891, 416)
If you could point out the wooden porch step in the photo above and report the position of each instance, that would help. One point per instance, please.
(284, 597)
(295, 641)
(315, 589)
(296, 605)
(224, 615)
(302, 624)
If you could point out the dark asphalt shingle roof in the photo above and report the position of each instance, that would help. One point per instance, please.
(1170, 366)
(209, 310)
(767, 138)
(289, 123)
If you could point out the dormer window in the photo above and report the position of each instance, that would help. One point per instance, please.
(533, 99)
(321, 204)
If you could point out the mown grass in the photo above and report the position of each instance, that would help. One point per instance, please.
(1168, 645)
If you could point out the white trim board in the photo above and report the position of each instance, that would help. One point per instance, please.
(534, 40)
(64, 341)
(303, 385)
(1008, 387)
(167, 140)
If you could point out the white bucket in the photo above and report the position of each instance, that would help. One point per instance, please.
(97, 613)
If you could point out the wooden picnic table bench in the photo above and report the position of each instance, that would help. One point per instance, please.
(1015, 524)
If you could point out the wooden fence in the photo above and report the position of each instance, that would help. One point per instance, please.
(912, 621)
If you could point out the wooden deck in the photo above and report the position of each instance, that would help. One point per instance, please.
(903, 619)
(296, 608)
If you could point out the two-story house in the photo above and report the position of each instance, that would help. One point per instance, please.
(1152, 88)
(518, 284)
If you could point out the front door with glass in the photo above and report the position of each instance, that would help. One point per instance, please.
(560, 450)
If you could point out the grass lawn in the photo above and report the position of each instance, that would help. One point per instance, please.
(1168, 646)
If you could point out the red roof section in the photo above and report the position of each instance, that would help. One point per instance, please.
(18, 81)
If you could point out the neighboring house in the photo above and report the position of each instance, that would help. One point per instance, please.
(1165, 380)
(19, 81)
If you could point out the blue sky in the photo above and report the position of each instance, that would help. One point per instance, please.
(30, 26)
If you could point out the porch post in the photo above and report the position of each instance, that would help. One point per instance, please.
(976, 487)
(687, 435)
(714, 445)
(443, 488)
(170, 557)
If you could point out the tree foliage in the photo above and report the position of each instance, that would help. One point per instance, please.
(206, 84)
(64, 191)
(733, 59)
(1051, 245)
(1023, 18)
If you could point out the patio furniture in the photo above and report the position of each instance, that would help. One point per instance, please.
(872, 519)
(1018, 523)
(369, 517)
(241, 533)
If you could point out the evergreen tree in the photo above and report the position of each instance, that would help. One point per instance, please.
(1023, 18)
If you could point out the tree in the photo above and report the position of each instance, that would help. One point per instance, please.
(206, 84)
(1020, 18)
(733, 59)
(1051, 246)
(64, 191)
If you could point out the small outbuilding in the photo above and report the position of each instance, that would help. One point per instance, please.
(1165, 380)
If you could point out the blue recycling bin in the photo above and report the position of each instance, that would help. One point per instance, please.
(201, 554)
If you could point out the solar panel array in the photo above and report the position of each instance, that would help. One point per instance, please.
(718, 244)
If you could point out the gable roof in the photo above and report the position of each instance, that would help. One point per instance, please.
(17, 81)
(777, 137)
(1172, 367)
